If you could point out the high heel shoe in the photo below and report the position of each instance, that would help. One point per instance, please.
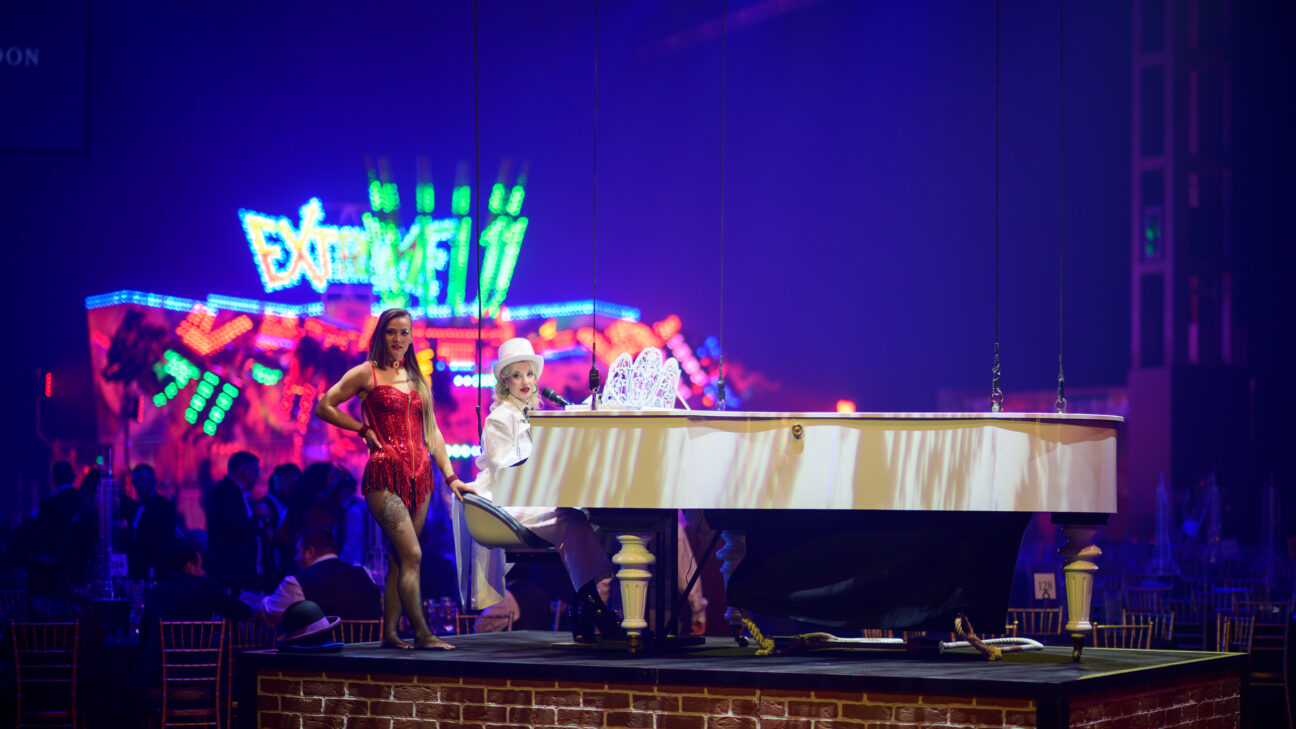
(588, 612)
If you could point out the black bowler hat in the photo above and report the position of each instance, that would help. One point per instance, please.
(306, 628)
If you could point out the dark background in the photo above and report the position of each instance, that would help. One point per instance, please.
(859, 149)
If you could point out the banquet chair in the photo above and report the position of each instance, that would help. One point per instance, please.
(45, 672)
(1137, 636)
(1037, 621)
(243, 635)
(1233, 633)
(360, 631)
(193, 660)
(1162, 623)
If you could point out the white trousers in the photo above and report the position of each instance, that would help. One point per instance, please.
(570, 532)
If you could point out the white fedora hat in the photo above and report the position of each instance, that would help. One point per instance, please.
(517, 350)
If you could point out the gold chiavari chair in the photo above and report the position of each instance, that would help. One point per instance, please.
(1010, 631)
(242, 635)
(360, 631)
(1192, 623)
(9, 598)
(1221, 599)
(1145, 598)
(1037, 621)
(1162, 623)
(1269, 636)
(1123, 636)
(45, 669)
(1233, 633)
(193, 660)
(1266, 612)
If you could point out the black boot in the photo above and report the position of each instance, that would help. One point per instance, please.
(588, 612)
(582, 628)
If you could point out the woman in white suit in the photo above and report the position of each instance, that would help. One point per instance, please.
(506, 442)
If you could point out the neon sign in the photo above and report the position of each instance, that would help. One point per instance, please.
(425, 264)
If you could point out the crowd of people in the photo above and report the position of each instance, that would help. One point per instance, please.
(298, 535)
(301, 535)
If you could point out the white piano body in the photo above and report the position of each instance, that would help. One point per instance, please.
(1063, 464)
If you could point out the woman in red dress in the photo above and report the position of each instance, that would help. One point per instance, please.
(401, 432)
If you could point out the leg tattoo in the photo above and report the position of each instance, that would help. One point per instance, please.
(393, 514)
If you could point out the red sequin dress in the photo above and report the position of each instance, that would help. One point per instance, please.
(402, 466)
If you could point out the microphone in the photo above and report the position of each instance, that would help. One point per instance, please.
(554, 397)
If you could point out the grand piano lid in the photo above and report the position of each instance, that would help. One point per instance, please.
(576, 411)
(1038, 462)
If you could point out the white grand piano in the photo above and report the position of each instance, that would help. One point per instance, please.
(796, 477)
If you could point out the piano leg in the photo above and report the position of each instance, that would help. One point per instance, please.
(1080, 553)
(635, 561)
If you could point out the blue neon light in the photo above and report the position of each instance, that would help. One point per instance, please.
(217, 302)
(571, 308)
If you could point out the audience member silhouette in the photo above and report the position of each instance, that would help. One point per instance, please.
(355, 529)
(183, 593)
(234, 542)
(151, 524)
(283, 480)
(313, 503)
(56, 516)
(340, 589)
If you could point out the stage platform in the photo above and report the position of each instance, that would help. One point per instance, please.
(530, 679)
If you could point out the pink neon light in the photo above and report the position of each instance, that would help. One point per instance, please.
(196, 330)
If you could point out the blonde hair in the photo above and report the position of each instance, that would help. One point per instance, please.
(502, 393)
(377, 349)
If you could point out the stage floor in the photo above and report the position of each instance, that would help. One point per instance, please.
(1049, 674)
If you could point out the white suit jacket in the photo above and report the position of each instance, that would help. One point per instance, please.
(506, 442)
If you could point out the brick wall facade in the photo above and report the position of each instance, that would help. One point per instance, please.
(309, 700)
(1213, 703)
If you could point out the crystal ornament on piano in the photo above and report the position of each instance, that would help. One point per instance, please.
(646, 382)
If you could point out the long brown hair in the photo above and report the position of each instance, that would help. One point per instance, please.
(378, 355)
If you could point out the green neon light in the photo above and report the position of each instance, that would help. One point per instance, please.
(209, 428)
(425, 264)
(496, 203)
(456, 291)
(512, 238)
(178, 367)
(191, 415)
(260, 373)
(424, 198)
(515, 199)
(460, 200)
(160, 399)
(210, 377)
(204, 389)
(231, 390)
